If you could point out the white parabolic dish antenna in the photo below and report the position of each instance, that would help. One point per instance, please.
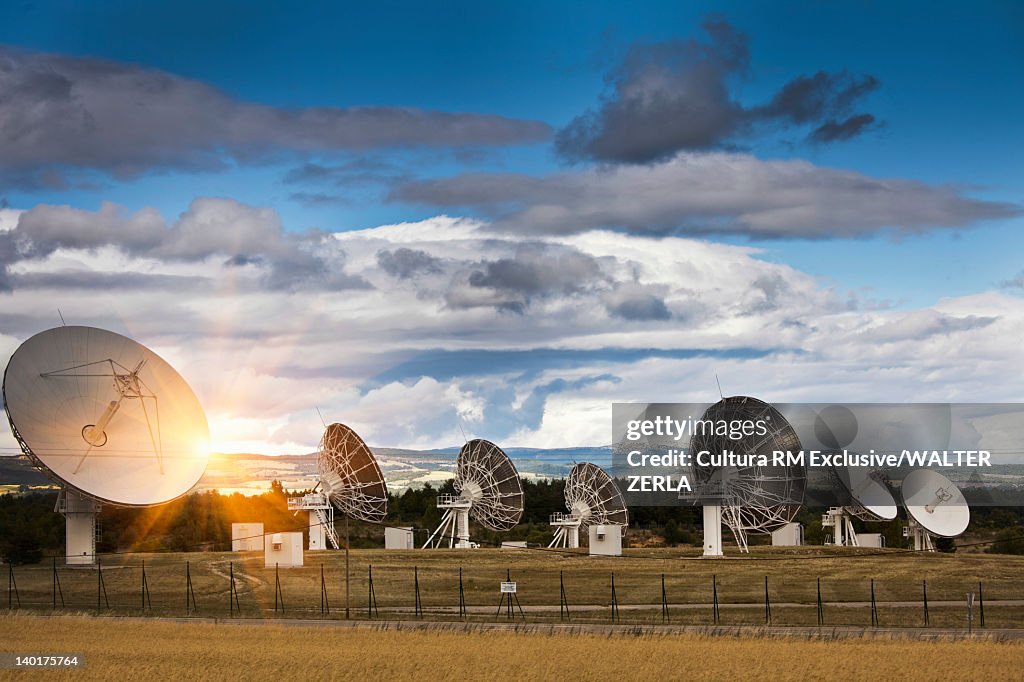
(756, 498)
(350, 476)
(935, 502)
(106, 416)
(874, 501)
(489, 490)
(592, 498)
(592, 495)
(485, 475)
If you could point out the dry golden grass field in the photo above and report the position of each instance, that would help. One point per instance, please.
(148, 650)
(845, 575)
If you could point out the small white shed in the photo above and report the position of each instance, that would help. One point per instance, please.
(398, 538)
(246, 537)
(284, 550)
(606, 540)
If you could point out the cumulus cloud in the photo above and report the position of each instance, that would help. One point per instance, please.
(237, 235)
(667, 97)
(712, 193)
(403, 366)
(60, 112)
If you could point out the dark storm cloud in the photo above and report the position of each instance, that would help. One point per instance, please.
(237, 234)
(706, 194)
(406, 263)
(60, 112)
(673, 96)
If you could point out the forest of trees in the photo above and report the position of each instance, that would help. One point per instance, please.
(30, 530)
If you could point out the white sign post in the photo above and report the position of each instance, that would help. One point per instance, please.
(508, 593)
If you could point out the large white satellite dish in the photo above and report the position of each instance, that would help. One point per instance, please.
(592, 498)
(935, 506)
(489, 490)
(350, 480)
(108, 419)
(747, 497)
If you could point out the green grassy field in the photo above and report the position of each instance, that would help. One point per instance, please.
(792, 585)
(130, 650)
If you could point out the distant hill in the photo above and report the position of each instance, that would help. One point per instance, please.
(251, 473)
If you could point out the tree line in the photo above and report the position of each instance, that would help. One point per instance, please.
(30, 530)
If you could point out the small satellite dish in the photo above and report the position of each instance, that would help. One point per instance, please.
(489, 490)
(935, 504)
(748, 497)
(591, 497)
(350, 480)
(108, 419)
(872, 499)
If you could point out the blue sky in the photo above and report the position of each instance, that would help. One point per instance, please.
(269, 92)
(950, 96)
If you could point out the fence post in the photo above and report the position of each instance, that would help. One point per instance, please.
(371, 596)
(325, 606)
(416, 584)
(145, 595)
(462, 597)
(714, 605)
(767, 604)
(615, 602)
(12, 588)
(233, 594)
(101, 587)
(874, 606)
(924, 593)
(821, 612)
(190, 594)
(664, 601)
(278, 593)
(563, 603)
(981, 606)
(56, 586)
